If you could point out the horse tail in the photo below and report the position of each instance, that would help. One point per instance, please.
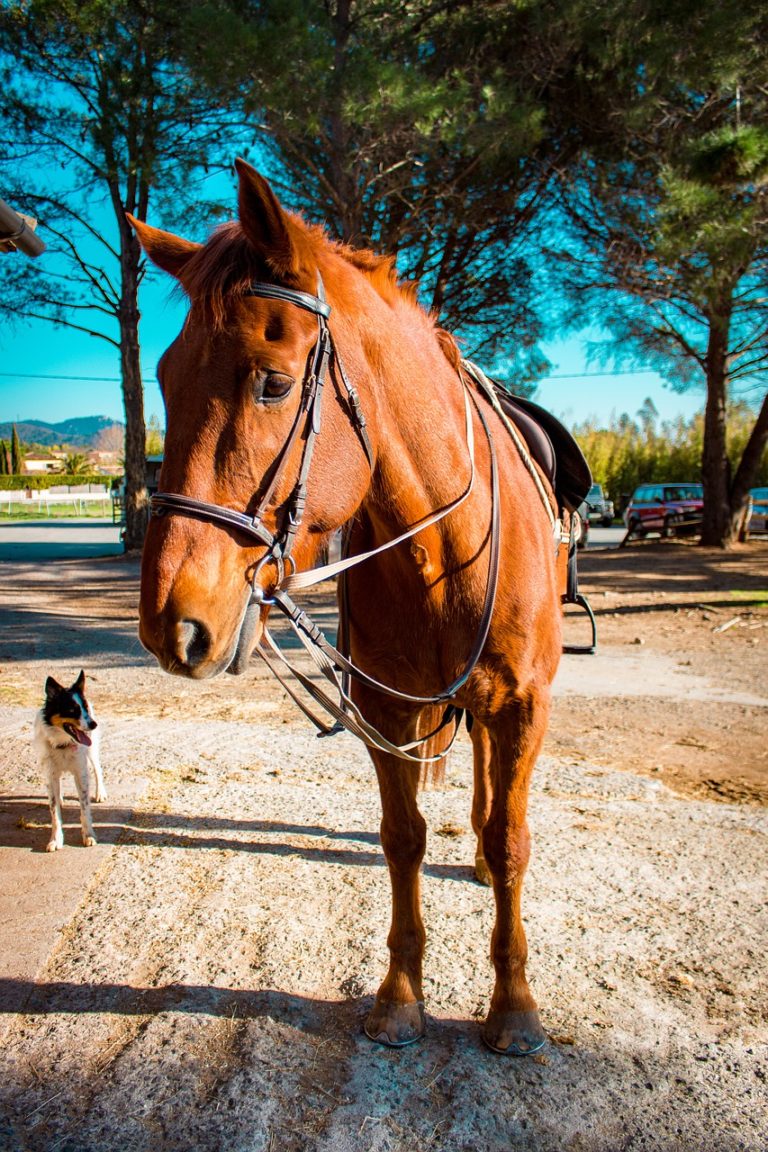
(442, 726)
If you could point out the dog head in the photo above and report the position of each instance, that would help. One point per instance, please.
(68, 709)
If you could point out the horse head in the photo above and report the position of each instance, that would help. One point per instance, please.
(239, 384)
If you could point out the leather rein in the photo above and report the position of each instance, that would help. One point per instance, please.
(333, 663)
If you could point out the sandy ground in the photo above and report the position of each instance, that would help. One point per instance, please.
(199, 979)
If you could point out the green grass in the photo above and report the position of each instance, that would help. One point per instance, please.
(91, 511)
(759, 599)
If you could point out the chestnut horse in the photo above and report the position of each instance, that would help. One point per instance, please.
(405, 433)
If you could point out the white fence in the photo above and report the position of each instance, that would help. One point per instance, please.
(43, 499)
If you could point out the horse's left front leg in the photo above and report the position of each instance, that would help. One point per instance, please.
(397, 1017)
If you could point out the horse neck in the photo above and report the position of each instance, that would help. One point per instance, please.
(414, 403)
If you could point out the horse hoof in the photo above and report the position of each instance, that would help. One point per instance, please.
(54, 845)
(396, 1025)
(514, 1033)
(89, 841)
(482, 872)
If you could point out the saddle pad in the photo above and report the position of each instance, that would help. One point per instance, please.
(548, 441)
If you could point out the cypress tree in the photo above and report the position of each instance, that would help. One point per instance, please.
(15, 452)
(5, 464)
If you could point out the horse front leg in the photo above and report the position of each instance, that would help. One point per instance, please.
(397, 1017)
(482, 797)
(513, 1026)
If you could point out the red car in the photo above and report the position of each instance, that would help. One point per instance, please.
(665, 508)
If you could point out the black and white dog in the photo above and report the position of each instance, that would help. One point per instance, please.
(66, 740)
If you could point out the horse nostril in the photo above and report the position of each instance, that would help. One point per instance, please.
(193, 642)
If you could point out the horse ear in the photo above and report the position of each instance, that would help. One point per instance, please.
(169, 252)
(265, 223)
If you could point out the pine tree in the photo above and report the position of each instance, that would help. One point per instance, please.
(93, 91)
(667, 211)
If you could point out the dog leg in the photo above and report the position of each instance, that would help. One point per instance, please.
(101, 791)
(82, 782)
(54, 803)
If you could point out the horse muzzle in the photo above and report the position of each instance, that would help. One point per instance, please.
(197, 614)
(187, 647)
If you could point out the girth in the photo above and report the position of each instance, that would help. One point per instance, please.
(561, 460)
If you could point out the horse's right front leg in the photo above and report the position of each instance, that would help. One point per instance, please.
(397, 1017)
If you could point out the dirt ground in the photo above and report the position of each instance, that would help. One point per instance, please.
(199, 979)
(689, 614)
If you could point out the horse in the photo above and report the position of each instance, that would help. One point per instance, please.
(438, 498)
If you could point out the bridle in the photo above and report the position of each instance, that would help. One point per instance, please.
(335, 664)
(279, 544)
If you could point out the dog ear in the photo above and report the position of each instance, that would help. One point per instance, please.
(52, 688)
(79, 684)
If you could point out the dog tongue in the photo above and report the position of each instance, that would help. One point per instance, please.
(78, 734)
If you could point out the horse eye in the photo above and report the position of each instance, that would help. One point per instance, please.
(276, 386)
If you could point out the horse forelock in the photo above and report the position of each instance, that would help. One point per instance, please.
(227, 264)
(222, 269)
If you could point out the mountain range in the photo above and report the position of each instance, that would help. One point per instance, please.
(80, 432)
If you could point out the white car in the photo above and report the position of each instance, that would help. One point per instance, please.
(599, 507)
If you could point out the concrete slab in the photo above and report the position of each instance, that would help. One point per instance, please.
(27, 540)
(41, 890)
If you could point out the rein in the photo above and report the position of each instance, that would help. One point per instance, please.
(334, 664)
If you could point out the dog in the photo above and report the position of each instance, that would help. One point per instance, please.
(66, 739)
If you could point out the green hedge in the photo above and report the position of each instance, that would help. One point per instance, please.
(51, 480)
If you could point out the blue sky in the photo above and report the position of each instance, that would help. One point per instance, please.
(52, 374)
(45, 371)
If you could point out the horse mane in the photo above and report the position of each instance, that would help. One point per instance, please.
(227, 264)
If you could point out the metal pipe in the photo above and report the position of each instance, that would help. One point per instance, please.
(17, 231)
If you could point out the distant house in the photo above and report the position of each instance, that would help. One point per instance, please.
(36, 462)
(108, 463)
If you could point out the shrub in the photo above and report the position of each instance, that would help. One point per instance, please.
(52, 480)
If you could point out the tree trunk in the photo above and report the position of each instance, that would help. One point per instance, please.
(747, 470)
(718, 529)
(136, 506)
(339, 158)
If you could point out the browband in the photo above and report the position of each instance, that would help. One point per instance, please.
(292, 295)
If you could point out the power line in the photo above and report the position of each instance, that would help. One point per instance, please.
(116, 379)
(79, 379)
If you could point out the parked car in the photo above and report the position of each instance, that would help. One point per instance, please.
(758, 521)
(599, 507)
(664, 508)
(583, 530)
